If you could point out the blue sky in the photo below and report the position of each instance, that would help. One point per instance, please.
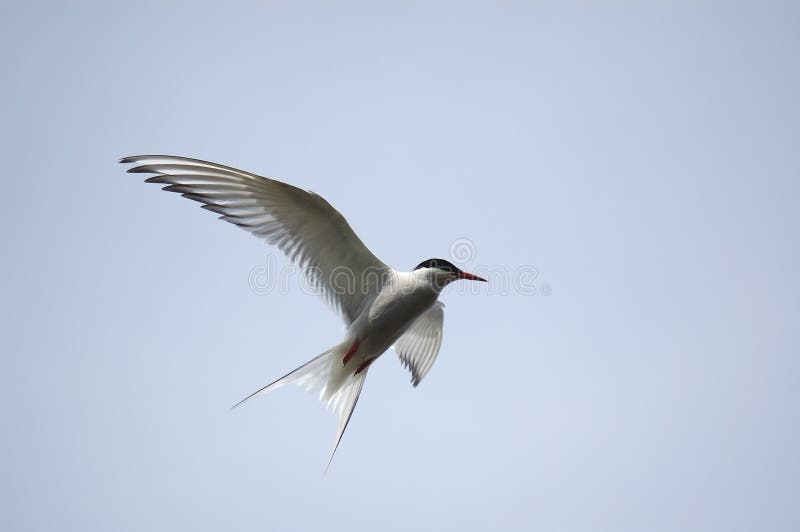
(637, 162)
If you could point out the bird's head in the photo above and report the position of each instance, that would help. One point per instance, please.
(443, 272)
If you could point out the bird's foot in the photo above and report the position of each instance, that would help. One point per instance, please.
(364, 365)
(350, 353)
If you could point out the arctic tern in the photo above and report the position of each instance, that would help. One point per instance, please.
(381, 307)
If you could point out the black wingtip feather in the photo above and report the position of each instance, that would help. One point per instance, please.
(134, 159)
(137, 158)
(219, 209)
(146, 169)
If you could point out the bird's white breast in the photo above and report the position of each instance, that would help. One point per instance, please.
(394, 309)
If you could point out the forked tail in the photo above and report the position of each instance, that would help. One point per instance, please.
(338, 386)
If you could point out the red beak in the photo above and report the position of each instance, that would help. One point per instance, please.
(471, 277)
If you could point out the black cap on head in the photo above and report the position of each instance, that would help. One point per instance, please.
(438, 263)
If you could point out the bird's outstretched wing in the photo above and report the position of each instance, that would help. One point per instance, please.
(420, 344)
(313, 234)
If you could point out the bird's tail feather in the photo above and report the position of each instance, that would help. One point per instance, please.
(311, 375)
(338, 385)
(343, 402)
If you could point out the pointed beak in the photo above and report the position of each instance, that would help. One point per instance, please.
(471, 277)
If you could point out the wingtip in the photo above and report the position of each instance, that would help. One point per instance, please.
(149, 157)
(140, 170)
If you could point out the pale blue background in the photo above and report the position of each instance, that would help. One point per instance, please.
(642, 156)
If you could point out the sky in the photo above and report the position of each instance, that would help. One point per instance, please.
(627, 172)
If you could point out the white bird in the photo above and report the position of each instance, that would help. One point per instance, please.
(381, 307)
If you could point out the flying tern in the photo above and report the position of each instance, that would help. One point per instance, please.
(381, 307)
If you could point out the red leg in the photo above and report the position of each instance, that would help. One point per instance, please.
(350, 353)
(364, 366)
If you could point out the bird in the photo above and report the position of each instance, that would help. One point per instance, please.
(381, 307)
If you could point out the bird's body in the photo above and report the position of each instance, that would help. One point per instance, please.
(385, 318)
(381, 307)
